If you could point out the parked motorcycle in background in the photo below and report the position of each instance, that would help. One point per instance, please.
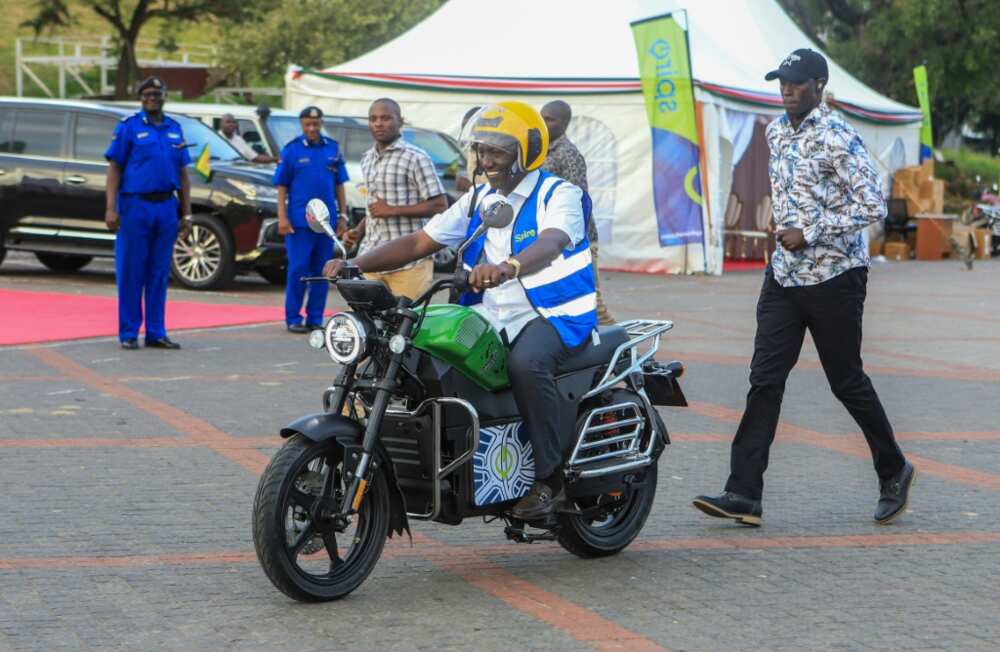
(421, 424)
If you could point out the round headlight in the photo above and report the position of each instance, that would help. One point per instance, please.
(317, 339)
(346, 338)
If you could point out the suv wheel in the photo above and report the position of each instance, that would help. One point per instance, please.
(275, 275)
(444, 260)
(204, 259)
(64, 263)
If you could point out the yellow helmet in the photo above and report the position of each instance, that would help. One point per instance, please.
(513, 126)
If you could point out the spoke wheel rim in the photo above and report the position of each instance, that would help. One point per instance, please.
(313, 549)
(198, 257)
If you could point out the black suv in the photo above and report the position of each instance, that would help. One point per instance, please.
(52, 176)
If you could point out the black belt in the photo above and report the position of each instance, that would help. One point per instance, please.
(156, 196)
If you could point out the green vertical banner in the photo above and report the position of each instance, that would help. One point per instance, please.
(665, 73)
(924, 96)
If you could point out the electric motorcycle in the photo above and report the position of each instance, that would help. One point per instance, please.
(421, 424)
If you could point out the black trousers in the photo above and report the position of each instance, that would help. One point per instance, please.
(534, 357)
(832, 311)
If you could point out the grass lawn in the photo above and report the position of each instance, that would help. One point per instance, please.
(89, 26)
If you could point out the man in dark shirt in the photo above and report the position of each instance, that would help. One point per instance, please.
(566, 161)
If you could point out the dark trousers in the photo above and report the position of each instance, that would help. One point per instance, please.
(832, 311)
(534, 357)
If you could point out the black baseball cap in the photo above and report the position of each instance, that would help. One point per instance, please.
(151, 82)
(799, 66)
(311, 112)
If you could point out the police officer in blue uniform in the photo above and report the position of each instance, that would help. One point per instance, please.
(311, 167)
(147, 158)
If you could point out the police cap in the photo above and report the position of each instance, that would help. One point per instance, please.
(311, 112)
(153, 82)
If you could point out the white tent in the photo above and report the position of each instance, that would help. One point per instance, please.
(470, 53)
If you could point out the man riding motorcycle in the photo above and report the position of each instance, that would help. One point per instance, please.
(532, 280)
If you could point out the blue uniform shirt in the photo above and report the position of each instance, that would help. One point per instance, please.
(309, 171)
(151, 155)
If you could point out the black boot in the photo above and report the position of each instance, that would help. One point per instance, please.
(895, 492)
(729, 505)
(542, 500)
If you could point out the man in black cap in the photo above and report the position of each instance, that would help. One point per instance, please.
(147, 158)
(824, 192)
(312, 167)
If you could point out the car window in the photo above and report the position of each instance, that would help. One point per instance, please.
(248, 130)
(39, 132)
(336, 132)
(441, 150)
(197, 135)
(6, 121)
(91, 136)
(358, 141)
(284, 128)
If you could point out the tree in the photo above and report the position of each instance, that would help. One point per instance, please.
(128, 17)
(315, 33)
(881, 41)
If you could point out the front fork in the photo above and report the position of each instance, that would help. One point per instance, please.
(383, 392)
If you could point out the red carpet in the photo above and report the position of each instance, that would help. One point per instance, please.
(742, 265)
(30, 317)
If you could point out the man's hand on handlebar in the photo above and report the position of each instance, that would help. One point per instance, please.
(484, 277)
(332, 268)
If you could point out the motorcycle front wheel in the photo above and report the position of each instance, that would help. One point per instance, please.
(616, 528)
(297, 545)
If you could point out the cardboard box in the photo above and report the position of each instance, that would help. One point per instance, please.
(981, 238)
(932, 195)
(897, 251)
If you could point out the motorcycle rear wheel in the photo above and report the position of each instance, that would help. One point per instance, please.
(590, 538)
(299, 550)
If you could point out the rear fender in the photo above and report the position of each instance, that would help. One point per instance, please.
(350, 435)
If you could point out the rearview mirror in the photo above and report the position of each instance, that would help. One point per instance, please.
(496, 211)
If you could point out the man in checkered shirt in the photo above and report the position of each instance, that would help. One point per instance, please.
(403, 191)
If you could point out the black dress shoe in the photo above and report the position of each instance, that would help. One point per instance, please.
(163, 343)
(729, 505)
(314, 327)
(297, 328)
(130, 345)
(894, 494)
(540, 503)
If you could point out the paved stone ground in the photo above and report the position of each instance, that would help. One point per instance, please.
(128, 480)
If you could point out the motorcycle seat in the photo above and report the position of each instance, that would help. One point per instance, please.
(592, 356)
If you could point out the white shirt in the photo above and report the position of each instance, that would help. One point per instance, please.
(507, 307)
(241, 146)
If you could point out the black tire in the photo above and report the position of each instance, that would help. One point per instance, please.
(297, 463)
(205, 260)
(589, 539)
(276, 275)
(64, 263)
(3, 247)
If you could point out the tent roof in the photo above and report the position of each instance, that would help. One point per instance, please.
(565, 47)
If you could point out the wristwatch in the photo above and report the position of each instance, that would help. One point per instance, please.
(515, 264)
(186, 218)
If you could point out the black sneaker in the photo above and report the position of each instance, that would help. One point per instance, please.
(895, 492)
(540, 503)
(729, 505)
(162, 343)
(130, 344)
(298, 329)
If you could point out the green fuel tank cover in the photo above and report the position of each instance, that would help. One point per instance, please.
(464, 339)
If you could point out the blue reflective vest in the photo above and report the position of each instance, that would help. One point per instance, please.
(564, 292)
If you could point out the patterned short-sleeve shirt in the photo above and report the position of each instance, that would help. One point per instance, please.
(402, 175)
(824, 182)
(565, 160)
